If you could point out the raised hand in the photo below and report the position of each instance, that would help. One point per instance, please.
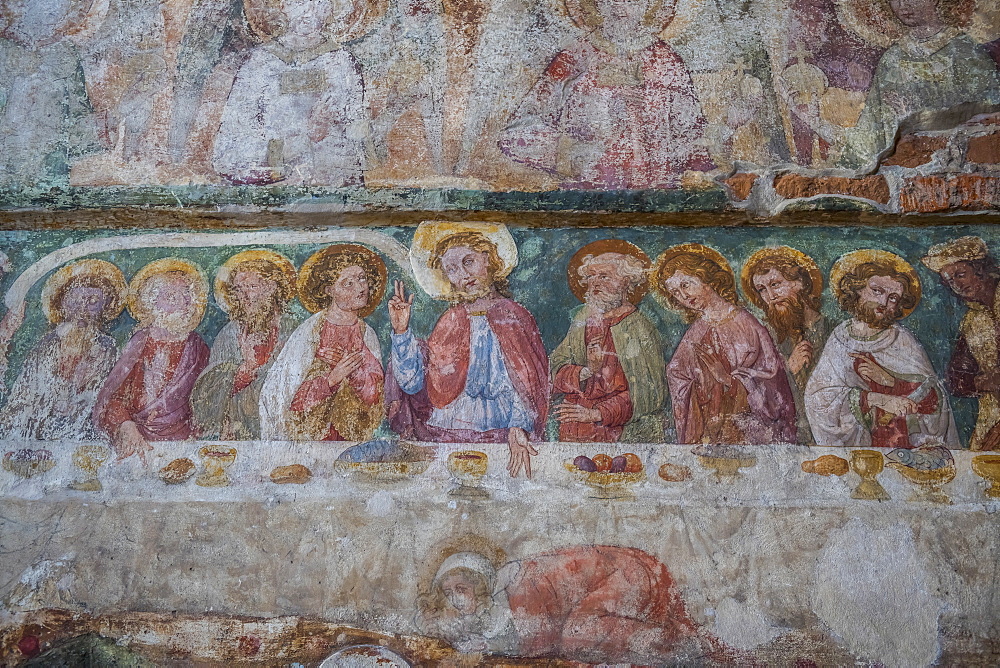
(521, 452)
(872, 372)
(801, 356)
(399, 309)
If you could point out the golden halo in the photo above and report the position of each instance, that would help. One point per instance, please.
(267, 20)
(430, 233)
(778, 253)
(600, 247)
(229, 268)
(95, 268)
(850, 261)
(339, 256)
(687, 249)
(165, 265)
(660, 16)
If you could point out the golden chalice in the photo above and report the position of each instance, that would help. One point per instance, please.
(929, 482)
(468, 467)
(868, 464)
(89, 458)
(988, 468)
(217, 459)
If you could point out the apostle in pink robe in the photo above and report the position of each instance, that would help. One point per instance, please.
(614, 111)
(483, 375)
(147, 394)
(728, 382)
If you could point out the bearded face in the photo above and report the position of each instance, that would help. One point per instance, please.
(879, 302)
(606, 288)
(254, 300)
(787, 316)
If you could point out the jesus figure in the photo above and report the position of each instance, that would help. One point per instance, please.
(482, 376)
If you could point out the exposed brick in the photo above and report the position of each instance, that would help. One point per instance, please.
(984, 149)
(932, 194)
(794, 186)
(925, 194)
(915, 150)
(975, 193)
(741, 184)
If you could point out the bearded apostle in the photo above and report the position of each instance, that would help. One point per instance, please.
(482, 376)
(728, 382)
(595, 603)
(55, 393)
(786, 285)
(968, 271)
(610, 368)
(147, 394)
(254, 287)
(327, 383)
(615, 110)
(874, 385)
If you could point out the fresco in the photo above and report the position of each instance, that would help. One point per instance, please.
(473, 441)
(488, 96)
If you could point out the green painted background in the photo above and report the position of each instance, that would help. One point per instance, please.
(539, 281)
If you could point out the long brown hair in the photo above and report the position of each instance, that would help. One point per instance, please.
(707, 271)
(853, 282)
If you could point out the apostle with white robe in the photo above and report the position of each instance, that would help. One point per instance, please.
(327, 383)
(874, 385)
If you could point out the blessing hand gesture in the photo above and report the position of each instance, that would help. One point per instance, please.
(399, 309)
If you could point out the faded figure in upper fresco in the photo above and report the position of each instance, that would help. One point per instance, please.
(598, 604)
(147, 395)
(931, 64)
(327, 383)
(296, 111)
(786, 285)
(874, 385)
(617, 109)
(46, 120)
(254, 287)
(967, 269)
(55, 394)
(728, 382)
(482, 376)
(610, 367)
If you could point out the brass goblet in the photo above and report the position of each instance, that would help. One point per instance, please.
(468, 467)
(868, 464)
(89, 458)
(988, 468)
(217, 459)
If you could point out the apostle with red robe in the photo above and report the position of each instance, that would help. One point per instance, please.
(482, 375)
(327, 383)
(147, 394)
(609, 368)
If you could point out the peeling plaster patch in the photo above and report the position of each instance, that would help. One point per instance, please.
(43, 585)
(743, 626)
(872, 589)
(381, 504)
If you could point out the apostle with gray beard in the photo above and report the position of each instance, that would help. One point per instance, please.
(610, 369)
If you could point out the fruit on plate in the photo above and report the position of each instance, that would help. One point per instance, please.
(602, 462)
(632, 463)
(585, 464)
